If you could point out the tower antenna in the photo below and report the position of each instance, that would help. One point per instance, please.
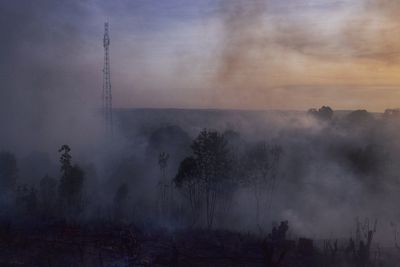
(107, 96)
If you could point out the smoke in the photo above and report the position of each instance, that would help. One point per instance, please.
(270, 46)
(49, 92)
(330, 173)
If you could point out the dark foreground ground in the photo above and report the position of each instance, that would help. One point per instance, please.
(106, 245)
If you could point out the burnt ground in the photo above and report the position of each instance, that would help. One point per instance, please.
(103, 245)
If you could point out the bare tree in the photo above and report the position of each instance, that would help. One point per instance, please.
(164, 185)
(187, 180)
(260, 170)
(364, 235)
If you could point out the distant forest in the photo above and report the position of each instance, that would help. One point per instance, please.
(276, 175)
(171, 179)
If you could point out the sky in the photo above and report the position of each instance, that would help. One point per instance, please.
(226, 54)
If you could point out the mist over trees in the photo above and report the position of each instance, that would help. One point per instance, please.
(206, 172)
(70, 186)
(314, 172)
(259, 166)
(235, 176)
(323, 113)
(8, 171)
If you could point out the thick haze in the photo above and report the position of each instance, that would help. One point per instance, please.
(226, 54)
(191, 54)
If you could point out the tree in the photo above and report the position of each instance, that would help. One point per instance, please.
(206, 170)
(172, 139)
(120, 201)
(163, 163)
(391, 113)
(187, 180)
(8, 171)
(65, 160)
(324, 113)
(359, 117)
(165, 189)
(212, 159)
(275, 247)
(71, 183)
(260, 166)
(169, 138)
(364, 235)
(26, 200)
(47, 195)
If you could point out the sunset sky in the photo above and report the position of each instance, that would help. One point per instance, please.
(250, 54)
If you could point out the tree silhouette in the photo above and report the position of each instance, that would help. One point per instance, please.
(359, 117)
(71, 183)
(165, 188)
(187, 180)
(8, 171)
(47, 196)
(259, 166)
(26, 200)
(207, 169)
(163, 162)
(65, 160)
(324, 113)
(391, 113)
(120, 202)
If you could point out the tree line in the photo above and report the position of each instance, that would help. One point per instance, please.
(62, 198)
(201, 190)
